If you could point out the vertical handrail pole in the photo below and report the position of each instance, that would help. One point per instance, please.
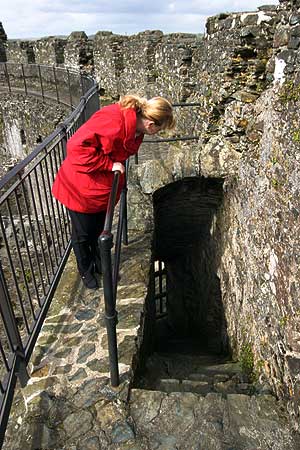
(7, 77)
(69, 86)
(41, 82)
(124, 199)
(12, 330)
(24, 78)
(56, 87)
(111, 315)
(160, 287)
(106, 244)
(118, 246)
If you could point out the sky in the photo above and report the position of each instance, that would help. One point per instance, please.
(34, 19)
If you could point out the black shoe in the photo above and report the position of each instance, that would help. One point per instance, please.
(89, 281)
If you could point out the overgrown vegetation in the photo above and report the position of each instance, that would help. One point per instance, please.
(296, 135)
(247, 360)
(290, 91)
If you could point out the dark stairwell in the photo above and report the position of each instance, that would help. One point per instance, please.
(184, 217)
(188, 327)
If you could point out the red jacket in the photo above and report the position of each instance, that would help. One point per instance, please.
(84, 180)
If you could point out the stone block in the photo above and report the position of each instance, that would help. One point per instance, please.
(198, 387)
(169, 385)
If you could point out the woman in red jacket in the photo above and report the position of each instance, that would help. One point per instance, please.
(97, 149)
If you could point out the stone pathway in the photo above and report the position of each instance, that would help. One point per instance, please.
(68, 403)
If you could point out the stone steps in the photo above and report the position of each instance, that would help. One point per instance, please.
(189, 421)
(204, 387)
(195, 401)
(200, 374)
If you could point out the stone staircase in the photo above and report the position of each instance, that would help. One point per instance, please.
(205, 402)
(200, 374)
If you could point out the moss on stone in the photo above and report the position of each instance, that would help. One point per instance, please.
(290, 91)
(247, 360)
(296, 135)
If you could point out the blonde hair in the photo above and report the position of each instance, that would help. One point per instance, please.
(157, 109)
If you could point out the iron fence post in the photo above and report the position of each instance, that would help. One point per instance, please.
(63, 128)
(81, 84)
(84, 115)
(12, 330)
(111, 315)
(41, 82)
(69, 86)
(55, 82)
(124, 199)
(7, 77)
(24, 79)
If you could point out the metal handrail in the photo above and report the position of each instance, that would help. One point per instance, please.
(110, 277)
(174, 139)
(35, 233)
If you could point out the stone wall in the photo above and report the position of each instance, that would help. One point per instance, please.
(258, 245)
(24, 122)
(258, 226)
(253, 142)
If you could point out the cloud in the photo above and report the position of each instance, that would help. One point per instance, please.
(61, 17)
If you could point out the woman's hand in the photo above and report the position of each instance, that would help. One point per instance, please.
(118, 166)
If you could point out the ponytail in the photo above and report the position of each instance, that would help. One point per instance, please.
(133, 101)
(157, 109)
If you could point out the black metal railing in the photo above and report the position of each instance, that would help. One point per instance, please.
(61, 85)
(111, 273)
(34, 239)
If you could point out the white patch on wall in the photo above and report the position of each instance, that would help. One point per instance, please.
(12, 137)
(245, 15)
(279, 76)
(262, 17)
(273, 262)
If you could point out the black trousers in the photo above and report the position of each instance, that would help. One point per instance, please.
(86, 228)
